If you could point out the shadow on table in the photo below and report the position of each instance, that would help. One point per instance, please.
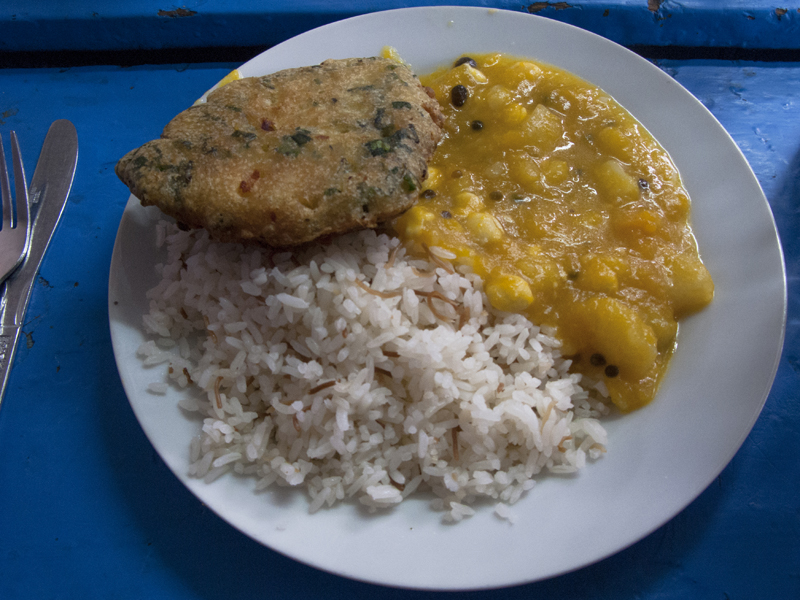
(786, 210)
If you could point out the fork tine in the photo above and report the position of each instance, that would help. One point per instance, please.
(5, 187)
(20, 185)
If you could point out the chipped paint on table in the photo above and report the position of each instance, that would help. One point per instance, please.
(151, 24)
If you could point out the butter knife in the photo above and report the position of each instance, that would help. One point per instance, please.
(48, 192)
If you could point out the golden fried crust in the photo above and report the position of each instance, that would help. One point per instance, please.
(286, 158)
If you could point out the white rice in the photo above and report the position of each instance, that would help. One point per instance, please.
(306, 378)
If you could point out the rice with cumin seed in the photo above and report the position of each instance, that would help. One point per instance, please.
(360, 373)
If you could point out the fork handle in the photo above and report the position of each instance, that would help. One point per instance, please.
(9, 338)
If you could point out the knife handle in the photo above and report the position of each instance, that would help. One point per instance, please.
(16, 297)
(9, 338)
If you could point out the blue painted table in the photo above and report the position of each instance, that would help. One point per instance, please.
(87, 508)
(141, 24)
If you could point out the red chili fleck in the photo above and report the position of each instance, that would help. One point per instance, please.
(245, 186)
(267, 125)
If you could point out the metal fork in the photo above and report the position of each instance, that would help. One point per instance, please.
(16, 222)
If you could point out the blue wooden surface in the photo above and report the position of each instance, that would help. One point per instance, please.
(87, 508)
(29, 25)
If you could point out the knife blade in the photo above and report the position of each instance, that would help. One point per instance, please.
(48, 193)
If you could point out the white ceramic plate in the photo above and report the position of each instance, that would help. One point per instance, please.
(659, 458)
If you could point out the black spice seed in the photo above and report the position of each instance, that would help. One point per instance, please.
(612, 371)
(428, 194)
(466, 59)
(597, 359)
(447, 214)
(496, 195)
(457, 173)
(459, 95)
(643, 183)
(477, 125)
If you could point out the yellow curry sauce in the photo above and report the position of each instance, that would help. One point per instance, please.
(569, 210)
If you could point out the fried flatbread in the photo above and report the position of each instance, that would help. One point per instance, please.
(286, 158)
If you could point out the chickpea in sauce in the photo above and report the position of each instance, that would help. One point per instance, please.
(569, 210)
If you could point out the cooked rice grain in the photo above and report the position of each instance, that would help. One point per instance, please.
(342, 368)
